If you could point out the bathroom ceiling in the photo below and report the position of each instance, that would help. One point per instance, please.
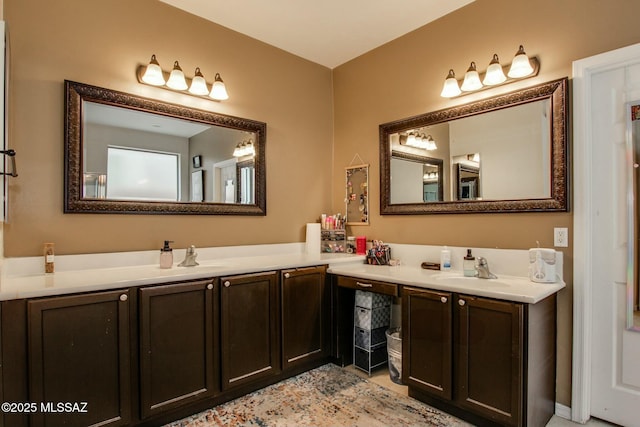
(328, 32)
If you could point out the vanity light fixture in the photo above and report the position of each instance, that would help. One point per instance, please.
(152, 74)
(417, 140)
(521, 67)
(244, 148)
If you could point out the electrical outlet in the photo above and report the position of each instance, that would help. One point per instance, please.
(560, 237)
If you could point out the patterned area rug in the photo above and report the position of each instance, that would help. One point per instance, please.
(324, 397)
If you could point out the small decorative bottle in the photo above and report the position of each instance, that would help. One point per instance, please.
(48, 258)
(469, 264)
(166, 255)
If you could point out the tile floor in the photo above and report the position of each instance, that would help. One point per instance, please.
(381, 377)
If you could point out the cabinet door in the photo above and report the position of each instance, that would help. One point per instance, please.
(305, 316)
(250, 328)
(177, 345)
(489, 358)
(79, 351)
(427, 341)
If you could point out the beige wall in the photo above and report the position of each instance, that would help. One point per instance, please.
(404, 77)
(101, 43)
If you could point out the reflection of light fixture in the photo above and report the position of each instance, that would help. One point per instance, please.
(521, 67)
(244, 148)
(431, 144)
(417, 140)
(430, 176)
(153, 75)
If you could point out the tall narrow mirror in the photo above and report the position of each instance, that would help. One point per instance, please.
(633, 186)
(357, 198)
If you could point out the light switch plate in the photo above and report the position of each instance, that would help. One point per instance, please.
(561, 237)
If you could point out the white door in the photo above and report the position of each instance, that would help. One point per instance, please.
(606, 373)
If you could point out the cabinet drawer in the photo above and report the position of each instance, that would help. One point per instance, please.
(368, 285)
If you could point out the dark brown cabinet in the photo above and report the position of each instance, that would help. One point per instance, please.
(483, 359)
(178, 345)
(305, 316)
(249, 320)
(79, 352)
(427, 343)
(489, 354)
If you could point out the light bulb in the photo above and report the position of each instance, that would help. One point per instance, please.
(198, 84)
(218, 90)
(153, 74)
(520, 67)
(494, 75)
(471, 79)
(176, 78)
(450, 88)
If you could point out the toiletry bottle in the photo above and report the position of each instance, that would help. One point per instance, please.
(166, 255)
(48, 258)
(469, 264)
(445, 259)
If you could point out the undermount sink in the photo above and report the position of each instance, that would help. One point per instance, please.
(212, 264)
(460, 279)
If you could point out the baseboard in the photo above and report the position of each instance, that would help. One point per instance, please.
(563, 411)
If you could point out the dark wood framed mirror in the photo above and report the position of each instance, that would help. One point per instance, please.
(129, 154)
(518, 142)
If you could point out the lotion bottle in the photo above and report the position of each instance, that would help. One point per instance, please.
(445, 259)
(166, 255)
(469, 264)
(48, 258)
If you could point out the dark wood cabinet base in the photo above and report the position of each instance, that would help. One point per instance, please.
(227, 396)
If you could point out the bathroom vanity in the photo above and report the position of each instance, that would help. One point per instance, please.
(141, 346)
(483, 350)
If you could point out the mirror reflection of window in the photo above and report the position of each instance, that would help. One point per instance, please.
(246, 178)
(142, 175)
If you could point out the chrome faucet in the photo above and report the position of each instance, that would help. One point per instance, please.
(190, 258)
(482, 269)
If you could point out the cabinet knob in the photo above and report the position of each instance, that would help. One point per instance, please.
(461, 302)
(443, 299)
(210, 286)
(227, 284)
(124, 297)
(287, 275)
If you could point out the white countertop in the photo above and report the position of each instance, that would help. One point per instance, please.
(95, 279)
(511, 288)
(24, 277)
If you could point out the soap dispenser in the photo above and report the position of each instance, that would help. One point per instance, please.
(166, 255)
(469, 264)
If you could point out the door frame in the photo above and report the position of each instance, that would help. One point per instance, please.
(583, 257)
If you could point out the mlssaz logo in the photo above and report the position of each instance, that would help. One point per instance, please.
(52, 407)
